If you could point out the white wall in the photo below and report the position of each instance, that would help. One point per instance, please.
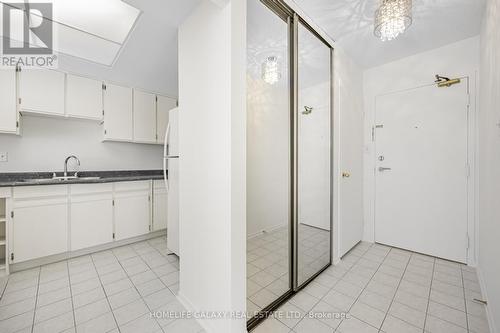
(46, 142)
(489, 162)
(212, 138)
(455, 60)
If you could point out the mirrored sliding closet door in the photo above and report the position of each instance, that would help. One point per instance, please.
(313, 155)
(289, 151)
(268, 158)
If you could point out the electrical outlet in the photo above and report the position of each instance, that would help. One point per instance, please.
(4, 156)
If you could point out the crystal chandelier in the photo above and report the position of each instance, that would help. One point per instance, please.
(270, 70)
(392, 18)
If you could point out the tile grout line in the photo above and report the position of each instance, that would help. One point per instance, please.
(36, 298)
(133, 284)
(338, 280)
(36, 286)
(4, 287)
(319, 299)
(396, 291)
(364, 288)
(429, 296)
(104, 290)
(142, 298)
(71, 294)
(465, 300)
(152, 270)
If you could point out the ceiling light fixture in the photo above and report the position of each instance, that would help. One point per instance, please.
(270, 70)
(392, 18)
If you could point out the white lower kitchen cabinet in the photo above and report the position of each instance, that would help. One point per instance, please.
(132, 209)
(55, 219)
(91, 215)
(160, 197)
(39, 222)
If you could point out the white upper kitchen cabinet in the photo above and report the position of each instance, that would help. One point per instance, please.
(132, 210)
(39, 222)
(91, 215)
(163, 106)
(144, 117)
(160, 198)
(118, 113)
(83, 97)
(41, 91)
(8, 107)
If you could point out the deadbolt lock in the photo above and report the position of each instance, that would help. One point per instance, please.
(381, 158)
(346, 174)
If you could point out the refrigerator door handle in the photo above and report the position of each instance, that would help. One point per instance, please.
(165, 156)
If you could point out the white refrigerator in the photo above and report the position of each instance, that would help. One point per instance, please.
(171, 176)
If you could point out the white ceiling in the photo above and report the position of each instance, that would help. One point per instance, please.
(435, 23)
(148, 59)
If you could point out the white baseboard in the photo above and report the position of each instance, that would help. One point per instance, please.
(489, 314)
(270, 229)
(189, 307)
(73, 254)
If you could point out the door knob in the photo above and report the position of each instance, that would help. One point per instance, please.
(383, 169)
(346, 174)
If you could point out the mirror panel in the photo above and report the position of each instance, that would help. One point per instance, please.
(313, 155)
(268, 157)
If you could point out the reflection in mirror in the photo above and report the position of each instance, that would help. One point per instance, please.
(268, 157)
(314, 154)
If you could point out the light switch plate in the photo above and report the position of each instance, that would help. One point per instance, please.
(4, 156)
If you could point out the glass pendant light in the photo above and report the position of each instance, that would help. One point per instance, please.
(392, 18)
(270, 70)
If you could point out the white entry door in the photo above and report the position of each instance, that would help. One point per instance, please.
(422, 171)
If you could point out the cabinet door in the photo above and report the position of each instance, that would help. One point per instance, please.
(117, 113)
(39, 228)
(144, 117)
(91, 215)
(8, 106)
(42, 91)
(163, 105)
(83, 97)
(160, 197)
(132, 210)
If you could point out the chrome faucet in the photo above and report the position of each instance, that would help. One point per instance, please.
(66, 164)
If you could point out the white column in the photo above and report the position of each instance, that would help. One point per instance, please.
(212, 140)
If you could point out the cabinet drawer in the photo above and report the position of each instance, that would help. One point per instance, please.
(40, 191)
(79, 189)
(159, 184)
(142, 185)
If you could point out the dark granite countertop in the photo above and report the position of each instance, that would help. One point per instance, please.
(44, 178)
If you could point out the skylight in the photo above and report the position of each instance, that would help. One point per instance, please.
(94, 30)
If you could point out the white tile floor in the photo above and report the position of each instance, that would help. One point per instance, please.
(110, 291)
(382, 289)
(267, 262)
(377, 288)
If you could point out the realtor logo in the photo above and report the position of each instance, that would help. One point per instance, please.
(27, 38)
